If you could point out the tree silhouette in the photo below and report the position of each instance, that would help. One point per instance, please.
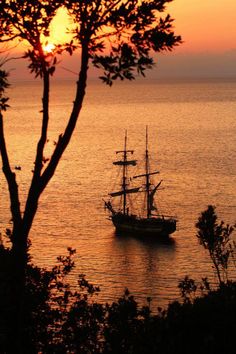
(116, 36)
(215, 237)
(135, 30)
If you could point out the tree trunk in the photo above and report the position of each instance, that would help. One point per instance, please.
(22, 225)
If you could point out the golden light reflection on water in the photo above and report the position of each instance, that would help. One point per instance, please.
(192, 136)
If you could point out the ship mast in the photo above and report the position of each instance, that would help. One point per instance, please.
(148, 191)
(124, 174)
(125, 162)
(147, 176)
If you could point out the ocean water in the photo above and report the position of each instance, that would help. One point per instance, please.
(192, 130)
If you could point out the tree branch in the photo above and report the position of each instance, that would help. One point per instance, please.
(43, 138)
(65, 138)
(2, 40)
(34, 190)
(109, 9)
(11, 180)
(40, 182)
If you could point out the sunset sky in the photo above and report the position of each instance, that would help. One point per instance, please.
(208, 29)
(208, 25)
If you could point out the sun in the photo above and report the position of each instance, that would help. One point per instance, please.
(48, 48)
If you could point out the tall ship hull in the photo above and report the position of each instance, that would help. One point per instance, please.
(142, 226)
(148, 223)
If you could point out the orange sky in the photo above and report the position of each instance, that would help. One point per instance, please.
(205, 25)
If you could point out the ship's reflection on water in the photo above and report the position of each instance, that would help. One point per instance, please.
(140, 262)
(160, 242)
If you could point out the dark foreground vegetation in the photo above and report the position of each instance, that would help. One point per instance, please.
(56, 319)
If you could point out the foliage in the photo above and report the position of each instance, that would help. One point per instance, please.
(60, 319)
(206, 325)
(57, 318)
(216, 238)
(190, 289)
(3, 86)
(52, 312)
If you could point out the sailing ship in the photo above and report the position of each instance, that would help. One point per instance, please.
(125, 221)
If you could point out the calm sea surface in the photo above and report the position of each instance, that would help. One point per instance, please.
(192, 135)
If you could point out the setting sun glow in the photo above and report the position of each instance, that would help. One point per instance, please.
(48, 48)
